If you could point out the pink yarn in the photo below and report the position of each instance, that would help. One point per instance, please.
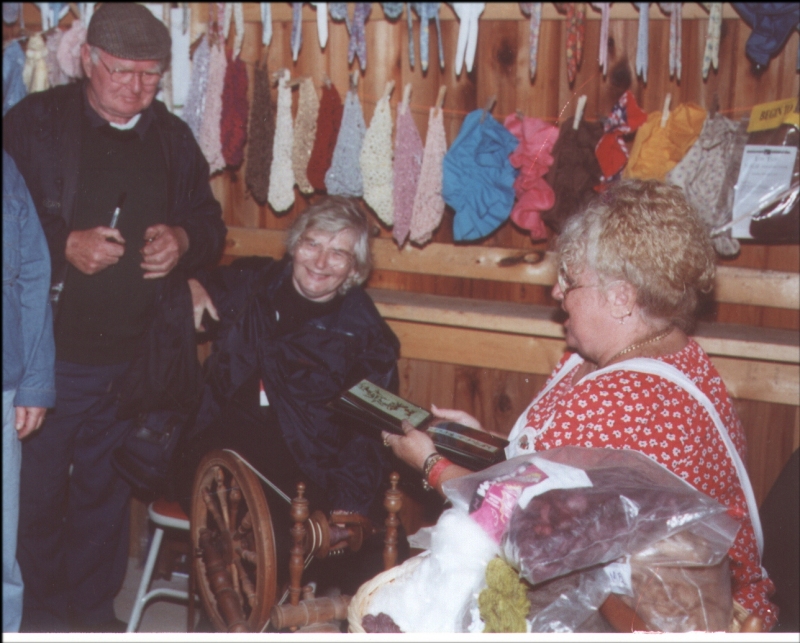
(429, 204)
(69, 50)
(210, 132)
(408, 153)
(533, 158)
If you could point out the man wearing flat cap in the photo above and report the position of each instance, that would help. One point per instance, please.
(122, 191)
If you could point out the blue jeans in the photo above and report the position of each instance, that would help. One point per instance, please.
(73, 533)
(12, 459)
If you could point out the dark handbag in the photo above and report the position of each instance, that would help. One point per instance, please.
(145, 456)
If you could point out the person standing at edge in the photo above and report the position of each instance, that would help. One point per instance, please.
(121, 188)
(28, 356)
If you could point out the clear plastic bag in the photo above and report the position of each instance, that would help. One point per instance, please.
(632, 503)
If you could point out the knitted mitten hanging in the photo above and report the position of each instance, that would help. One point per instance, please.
(233, 125)
(305, 131)
(711, 53)
(642, 43)
(605, 12)
(391, 10)
(673, 10)
(376, 162)
(210, 133)
(468, 13)
(358, 35)
(281, 175)
(427, 11)
(534, 10)
(428, 203)
(194, 106)
(329, 120)
(266, 23)
(322, 23)
(35, 73)
(55, 75)
(344, 175)
(576, 14)
(297, 29)
(408, 152)
(261, 136)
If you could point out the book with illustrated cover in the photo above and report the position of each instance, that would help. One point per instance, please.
(380, 410)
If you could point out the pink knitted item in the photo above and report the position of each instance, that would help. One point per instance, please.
(55, 75)
(408, 153)
(533, 158)
(235, 110)
(429, 204)
(69, 50)
(210, 134)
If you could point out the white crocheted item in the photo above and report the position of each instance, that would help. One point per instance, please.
(194, 107)
(376, 163)
(429, 204)
(305, 132)
(281, 174)
(343, 177)
(408, 152)
(34, 75)
(210, 134)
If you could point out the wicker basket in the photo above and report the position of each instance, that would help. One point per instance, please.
(359, 606)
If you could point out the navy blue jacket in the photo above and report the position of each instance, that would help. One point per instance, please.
(302, 372)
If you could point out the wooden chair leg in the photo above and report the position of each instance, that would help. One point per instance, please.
(299, 515)
(393, 503)
(190, 613)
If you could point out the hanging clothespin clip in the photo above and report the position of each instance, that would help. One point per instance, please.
(520, 114)
(665, 111)
(440, 99)
(579, 111)
(406, 97)
(712, 112)
(326, 80)
(388, 90)
(354, 80)
(296, 82)
(489, 105)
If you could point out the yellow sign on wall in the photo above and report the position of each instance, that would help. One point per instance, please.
(771, 115)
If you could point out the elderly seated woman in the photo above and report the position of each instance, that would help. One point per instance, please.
(631, 267)
(293, 335)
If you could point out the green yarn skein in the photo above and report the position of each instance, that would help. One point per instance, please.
(503, 603)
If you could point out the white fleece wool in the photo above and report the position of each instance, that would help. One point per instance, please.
(437, 595)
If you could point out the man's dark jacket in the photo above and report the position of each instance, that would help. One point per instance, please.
(302, 371)
(42, 134)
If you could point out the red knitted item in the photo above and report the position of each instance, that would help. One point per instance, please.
(233, 125)
(328, 123)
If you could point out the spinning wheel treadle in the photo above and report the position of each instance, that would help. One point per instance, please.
(234, 545)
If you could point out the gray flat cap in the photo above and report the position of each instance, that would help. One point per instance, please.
(128, 30)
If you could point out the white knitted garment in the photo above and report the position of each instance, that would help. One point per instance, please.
(305, 132)
(210, 134)
(281, 174)
(376, 163)
(343, 177)
(428, 203)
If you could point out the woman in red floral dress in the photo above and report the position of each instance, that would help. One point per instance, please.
(632, 266)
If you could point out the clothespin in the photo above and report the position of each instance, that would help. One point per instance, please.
(296, 82)
(712, 111)
(440, 98)
(579, 111)
(326, 80)
(389, 88)
(406, 97)
(520, 114)
(665, 111)
(354, 80)
(489, 105)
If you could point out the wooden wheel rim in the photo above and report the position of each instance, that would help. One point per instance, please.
(263, 574)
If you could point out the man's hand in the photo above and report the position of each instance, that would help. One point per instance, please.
(201, 302)
(28, 419)
(163, 246)
(90, 251)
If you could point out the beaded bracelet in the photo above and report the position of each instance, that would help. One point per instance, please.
(436, 472)
(430, 461)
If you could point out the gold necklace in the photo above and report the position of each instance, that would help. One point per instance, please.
(651, 340)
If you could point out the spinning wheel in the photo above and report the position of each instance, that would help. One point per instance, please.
(231, 530)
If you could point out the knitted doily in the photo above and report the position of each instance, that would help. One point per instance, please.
(376, 163)
(261, 136)
(429, 204)
(281, 175)
(305, 131)
(343, 178)
(329, 121)
(408, 153)
(210, 134)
